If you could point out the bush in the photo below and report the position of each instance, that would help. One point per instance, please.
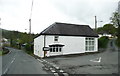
(5, 51)
(103, 41)
(118, 42)
(29, 48)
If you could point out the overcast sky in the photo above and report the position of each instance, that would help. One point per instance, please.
(15, 14)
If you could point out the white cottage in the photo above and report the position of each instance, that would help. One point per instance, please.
(64, 38)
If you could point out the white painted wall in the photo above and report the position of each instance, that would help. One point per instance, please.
(38, 46)
(73, 45)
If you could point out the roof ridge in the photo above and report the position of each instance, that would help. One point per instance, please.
(70, 24)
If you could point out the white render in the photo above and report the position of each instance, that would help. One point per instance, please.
(73, 45)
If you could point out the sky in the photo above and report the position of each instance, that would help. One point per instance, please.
(15, 14)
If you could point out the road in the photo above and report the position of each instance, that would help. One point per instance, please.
(89, 64)
(18, 62)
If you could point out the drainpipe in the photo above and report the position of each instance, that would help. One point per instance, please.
(44, 44)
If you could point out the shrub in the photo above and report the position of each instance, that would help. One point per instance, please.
(103, 41)
(29, 48)
(118, 42)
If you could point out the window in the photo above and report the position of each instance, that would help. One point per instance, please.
(89, 42)
(51, 49)
(56, 38)
(60, 49)
(55, 49)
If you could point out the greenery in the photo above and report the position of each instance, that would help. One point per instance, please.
(29, 49)
(108, 29)
(115, 19)
(4, 51)
(103, 41)
(0, 52)
(20, 40)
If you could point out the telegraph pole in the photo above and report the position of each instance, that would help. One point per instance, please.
(29, 26)
(30, 39)
(95, 23)
(30, 18)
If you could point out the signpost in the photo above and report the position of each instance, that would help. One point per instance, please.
(45, 48)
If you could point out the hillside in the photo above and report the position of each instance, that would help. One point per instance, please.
(17, 38)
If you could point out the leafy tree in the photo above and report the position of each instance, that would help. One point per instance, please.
(115, 19)
(17, 39)
(109, 29)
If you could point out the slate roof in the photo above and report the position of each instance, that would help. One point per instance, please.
(66, 29)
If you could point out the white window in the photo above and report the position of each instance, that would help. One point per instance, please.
(55, 49)
(56, 38)
(89, 43)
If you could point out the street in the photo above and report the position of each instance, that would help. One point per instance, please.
(18, 62)
(101, 63)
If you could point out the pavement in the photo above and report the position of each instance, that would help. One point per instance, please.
(101, 63)
(18, 62)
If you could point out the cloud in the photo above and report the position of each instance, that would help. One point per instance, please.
(85, 10)
(15, 14)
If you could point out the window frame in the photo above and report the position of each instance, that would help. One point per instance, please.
(89, 44)
(56, 38)
(56, 49)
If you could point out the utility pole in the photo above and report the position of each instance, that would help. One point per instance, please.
(95, 23)
(30, 39)
(30, 18)
(29, 26)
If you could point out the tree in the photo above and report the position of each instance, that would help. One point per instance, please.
(115, 19)
(109, 29)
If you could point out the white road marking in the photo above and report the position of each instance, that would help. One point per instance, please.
(39, 60)
(57, 67)
(5, 70)
(56, 74)
(98, 60)
(12, 61)
(9, 65)
(65, 74)
(53, 71)
(61, 71)
(46, 68)
(51, 68)
(9, 52)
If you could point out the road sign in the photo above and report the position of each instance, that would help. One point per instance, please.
(45, 48)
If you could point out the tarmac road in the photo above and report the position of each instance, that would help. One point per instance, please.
(18, 62)
(86, 64)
